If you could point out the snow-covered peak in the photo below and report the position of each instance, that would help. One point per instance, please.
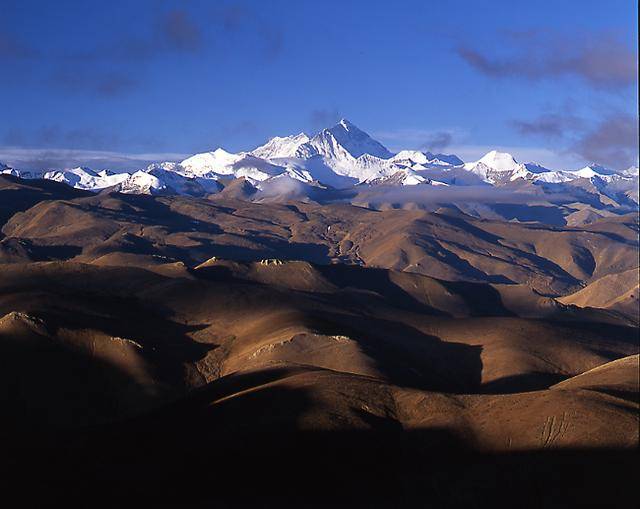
(86, 178)
(7, 170)
(500, 161)
(207, 162)
(593, 170)
(412, 155)
(81, 170)
(444, 159)
(427, 158)
(631, 171)
(221, 162)
(346, 125)
(24, 174)
(501, 167)
(355, 141)
(166, 165)
(142, 182)
(281, 146)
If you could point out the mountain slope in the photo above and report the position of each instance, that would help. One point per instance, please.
(446, 244)
(617, 291)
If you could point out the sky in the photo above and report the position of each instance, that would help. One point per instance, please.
(120, 83)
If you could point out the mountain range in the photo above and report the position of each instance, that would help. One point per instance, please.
(341, 157)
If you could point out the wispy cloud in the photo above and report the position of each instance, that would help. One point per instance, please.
(107, 70)
(106, 84)
(601, 60)
(180, 31)
(112, 68)
(440, 195)
(422, 139)
(549, 125)
(38, 159)
(170, 31)
(323, 117)
(438, 141)
(12, 48)
(239, 19)
(611, 140)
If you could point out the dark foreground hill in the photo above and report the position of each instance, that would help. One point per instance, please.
(308, 383)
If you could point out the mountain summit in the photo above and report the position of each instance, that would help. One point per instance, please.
(352, 139)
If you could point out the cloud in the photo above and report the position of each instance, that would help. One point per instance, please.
(239, 19)
(601, 60)
(281, 187)
(321, 118)
(106, 84)
(233, 17)
(108, 70)
(612, 140)
(441, 195)
(549, 125)
(54, 135)
(180, 32)
(438, 141)
(39, 159)
(11, 48)
(173, 31)
(273, 40)
(421, 139)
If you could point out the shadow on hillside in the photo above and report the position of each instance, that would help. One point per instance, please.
(48, 385)
(553, 216)
(26, 250)
(267, 248)
(249, 451)
(30, 192)
(377, 281)
(407, 357)
(365, 311)
(151, 211)
(481, 299)
(524, 382)
(76, 362)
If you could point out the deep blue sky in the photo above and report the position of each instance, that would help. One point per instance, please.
(553, 81)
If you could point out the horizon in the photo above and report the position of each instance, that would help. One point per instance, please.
(125, 84)
(121, 163)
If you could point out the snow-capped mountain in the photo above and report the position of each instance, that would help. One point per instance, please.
(222, 163)
(500, 168)
(343, 138)
(340, 157)
(631, 171)
(423, 160)
(86, 178)
(281, 147)
(25, 174)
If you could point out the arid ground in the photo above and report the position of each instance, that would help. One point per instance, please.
(219, 352)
